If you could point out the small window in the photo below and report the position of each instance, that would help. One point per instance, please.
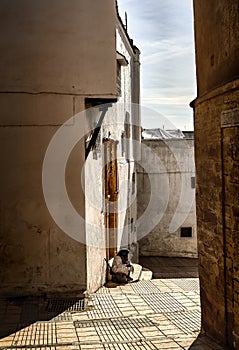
(123, 144)
(121, 61)
(133, 183)
(186, 232)
(118, 78)
(132, 225)
(193, 182)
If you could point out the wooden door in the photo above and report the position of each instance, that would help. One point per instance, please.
(110, 177)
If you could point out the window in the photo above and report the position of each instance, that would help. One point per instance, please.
(193, 182)
(127, 128)
(123, 144)
(118, 78)
(121, 61)
(133, 183)
(186, 232)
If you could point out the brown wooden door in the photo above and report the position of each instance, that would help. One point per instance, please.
(110, 177)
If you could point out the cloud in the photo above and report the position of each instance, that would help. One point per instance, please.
(170, 101)
(163, 31)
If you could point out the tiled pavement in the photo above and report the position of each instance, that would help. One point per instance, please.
(163, 313)
(156, 314)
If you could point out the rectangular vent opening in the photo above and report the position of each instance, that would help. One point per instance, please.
(186, 232)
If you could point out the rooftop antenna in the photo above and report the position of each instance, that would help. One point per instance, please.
(126, 20)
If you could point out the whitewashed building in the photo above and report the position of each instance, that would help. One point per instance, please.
(166, 183)
(115, 151)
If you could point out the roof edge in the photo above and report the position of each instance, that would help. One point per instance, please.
(131, 42)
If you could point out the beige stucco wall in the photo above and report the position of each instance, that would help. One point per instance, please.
(36, 255)
(165, 173)
(55, 55)
(58, 46)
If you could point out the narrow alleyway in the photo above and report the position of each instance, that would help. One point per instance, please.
(162, 313)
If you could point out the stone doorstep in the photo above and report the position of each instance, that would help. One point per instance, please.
(146, 275)
(137, 272)
(141, 273)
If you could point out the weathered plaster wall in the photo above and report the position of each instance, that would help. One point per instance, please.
(58, 46)
(51, 60)
(132, 128)
(217, 166)
(94, 207)
(168, 169)
(118, 120)
(125, 118)
(36, 256)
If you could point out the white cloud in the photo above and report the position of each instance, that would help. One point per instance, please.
(163, 31)
(179, 100)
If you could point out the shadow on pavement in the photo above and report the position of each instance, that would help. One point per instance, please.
(18, 313)
(203, 342)
(164, 267)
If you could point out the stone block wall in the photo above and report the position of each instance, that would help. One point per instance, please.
(217, 165)
(217, 169)
(230, 153)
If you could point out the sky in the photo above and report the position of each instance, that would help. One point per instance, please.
(163, 31)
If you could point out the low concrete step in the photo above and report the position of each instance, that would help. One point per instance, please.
(141, 273)
(137, 272)
(146, 275)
